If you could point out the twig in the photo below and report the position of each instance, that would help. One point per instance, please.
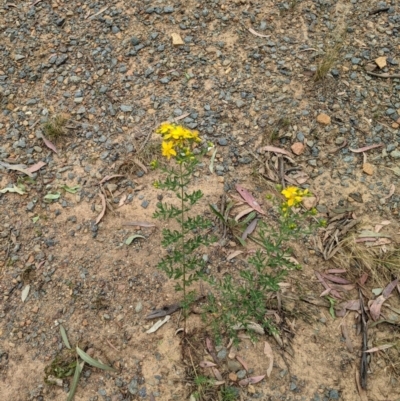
(378, 10)
(112, 346)
(385, 75)
(364, 347)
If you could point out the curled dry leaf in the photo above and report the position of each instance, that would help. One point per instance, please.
(25, 293)
(217, 374)
(391, 192)
(122, 200)
(103, 204)
(363, 278)
(365, 148)
(250, 228)
(241, 360)
(376, 305)
(380, 348)
(251, 30)
(50, 145)
(207, 364)
(336, 271)
(274, 149)
(269, 354)
(248, 197)
(233, 255)
(109, 177)
(157, 325)
(243, 213)
(36, 167)
(17, 167)
(335, 279)
(251, 380)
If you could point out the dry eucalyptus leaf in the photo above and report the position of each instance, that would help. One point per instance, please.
(25, 293)
(269, 354)
(157, 325)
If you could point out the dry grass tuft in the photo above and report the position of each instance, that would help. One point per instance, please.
(54, 128)
(381, 263)
(330, 57)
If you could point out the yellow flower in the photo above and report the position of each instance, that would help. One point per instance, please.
(168, 149)
(293, 195)
(164, 128)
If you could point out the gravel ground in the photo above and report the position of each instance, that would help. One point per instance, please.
(115, 73)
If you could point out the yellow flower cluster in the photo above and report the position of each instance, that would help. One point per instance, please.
(294, 196)
(176, 139)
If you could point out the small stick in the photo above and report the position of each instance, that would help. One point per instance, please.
(364, 347)
(383, 75)
(112, 346)
(378, 10)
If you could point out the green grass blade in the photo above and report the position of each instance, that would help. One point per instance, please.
(75, 380)
(217, 213)
(88, 359)
(64, 336)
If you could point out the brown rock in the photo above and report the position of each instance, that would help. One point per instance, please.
(381, 62)
(323, 119)
(368, 168)
(176, 39)
(297, 148)
(309, 202)
(233, 377)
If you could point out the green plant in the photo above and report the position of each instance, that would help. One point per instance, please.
(244, 301)
(181, 261)
(235, 227)
(229, 393)
(70, 362)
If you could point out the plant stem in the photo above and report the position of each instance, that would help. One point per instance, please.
(183, 248)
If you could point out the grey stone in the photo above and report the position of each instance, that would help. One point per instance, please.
(133, 386)
(222, 354)
(126, 108)
(300, 136)
(139, 307)
(333, 394)
(135, 41)
(222, 141)
(144, 204)
(241, 374)
(395, 154)
(234, 365)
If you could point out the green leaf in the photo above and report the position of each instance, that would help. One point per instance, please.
(217, 213)
(132, 237)
(64, 336)
(93, 362)
(51, 196)
(35, 219)
(75, 380)
(71, 190)
(16, 189)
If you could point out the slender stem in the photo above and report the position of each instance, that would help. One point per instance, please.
(183, 247)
